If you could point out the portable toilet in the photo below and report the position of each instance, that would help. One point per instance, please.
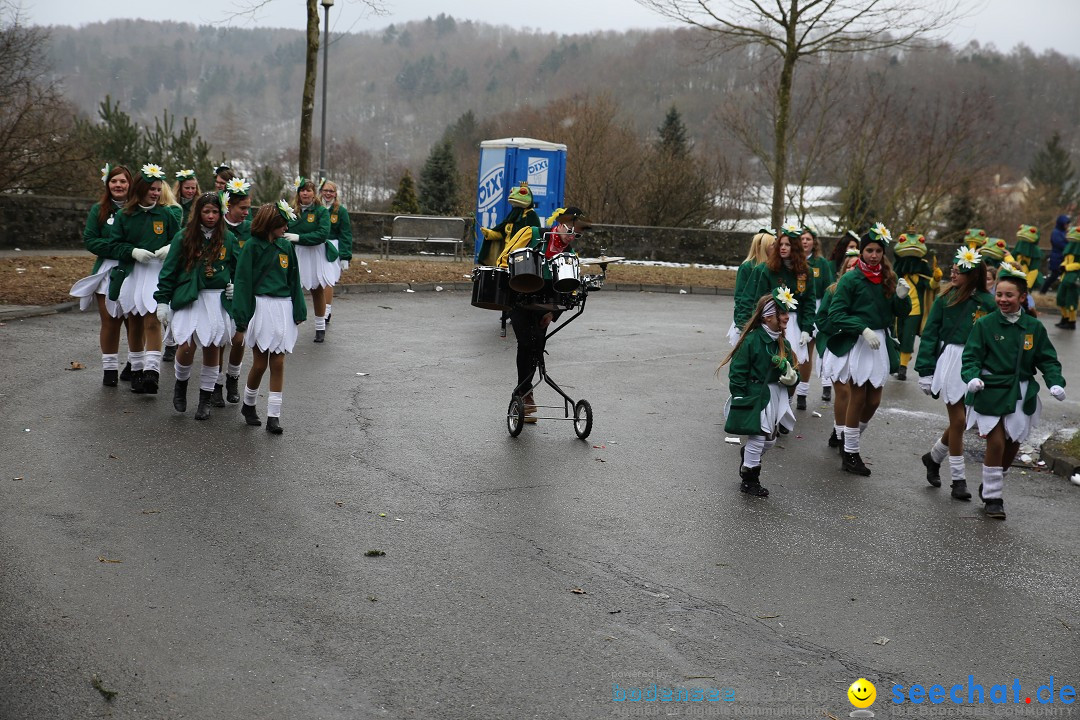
(508, 162)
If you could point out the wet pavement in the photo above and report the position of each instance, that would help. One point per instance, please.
(211, 570)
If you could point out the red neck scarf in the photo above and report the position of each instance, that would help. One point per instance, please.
(873, 274)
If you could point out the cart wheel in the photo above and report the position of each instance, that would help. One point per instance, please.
(583, 419)
(515, 416)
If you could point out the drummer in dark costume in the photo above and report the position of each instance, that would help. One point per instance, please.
(521, 216)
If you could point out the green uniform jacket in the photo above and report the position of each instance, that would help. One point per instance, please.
(764, 280)
(147, 229)
(824, 329)
(749, 375)
(860, 304)
(949, 325)
(96, 235)
(1069, 291)
(1003, 354)
(823, 274)
(185, 211)
(266, 268)
(313, 227)
(744, 304)
(237, 236)
(341, 230)
(514, 221)
(179, 287)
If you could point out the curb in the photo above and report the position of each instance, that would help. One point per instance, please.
(1056, 460)
(20, 312)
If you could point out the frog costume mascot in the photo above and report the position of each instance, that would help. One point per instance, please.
(1069, 290)
(912, 266)
(975, 238)
(521, 216)
(1028, 254)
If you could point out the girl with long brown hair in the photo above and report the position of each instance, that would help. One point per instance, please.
(785, 265)
(827, 366)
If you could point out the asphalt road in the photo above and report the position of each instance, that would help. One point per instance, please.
(210, 570)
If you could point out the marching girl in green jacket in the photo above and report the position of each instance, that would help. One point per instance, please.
(1069, 290)
(317, 258)
(238, 205)
(95, 287)
(847, 241)
(744, 303)
(821, 275)
(340, 233)
(938, 363)
(268, 304)
(759, 377)
(828, 363)
(867, 302)
(186, 189)
(140, 241)
(1000, 358)
(786, 265)
(194, 289)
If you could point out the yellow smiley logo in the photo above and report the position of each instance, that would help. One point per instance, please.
(862, 693)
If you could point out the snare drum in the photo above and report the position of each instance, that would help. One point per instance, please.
(491, 288)
(526, 270)
(566, 272)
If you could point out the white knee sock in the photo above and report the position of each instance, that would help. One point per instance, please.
(838, 429)
(182, 372)
(251, 395)
(137, 360)
(273, 405)
(234, 370)
(939, 452)
(993, 482)
(320, 323)
(207, 378)
(803, 389)
(769, 444)
(152, 360)
(851, 439)
(220, 377)
(956, 467)
(110, 361)
(327, 309)
(755, 446)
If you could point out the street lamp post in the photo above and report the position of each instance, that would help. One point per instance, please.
(327, 4)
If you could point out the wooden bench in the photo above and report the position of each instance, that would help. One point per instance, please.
(424, 229)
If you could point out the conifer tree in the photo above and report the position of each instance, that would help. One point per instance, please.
(1052, 174)
(404, 201)
(438, 181)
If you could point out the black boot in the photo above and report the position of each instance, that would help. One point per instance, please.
(109, 378)
(826, 393)
(853, 463)
(933, 470)
(328, 319)
(994, 508)
(251, 416)
(170, 353)
(901, 374)
(203, 411)
(149, 382)
(179, 396)
(834, 440)
(137, 381)
(751, 482)
(125, 374)
(216, 398)
(960, 491)
(320, 336)
(273, 426)
(800, 402)
(232, 389)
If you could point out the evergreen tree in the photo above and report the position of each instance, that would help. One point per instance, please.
(673, 140)
(404, 201)
(438, 181)
(1052, 174)
(116, 139)
(960, 216)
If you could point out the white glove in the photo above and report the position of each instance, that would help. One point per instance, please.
(164, 314)
(291, 237)
(976, 385)
(804, 339)
(871, 338)
(162, 252)
(790, 377)
(140, 255)
(344, 265)
(925, 381)
(229, 291)
(902, 288)
(1058, 392)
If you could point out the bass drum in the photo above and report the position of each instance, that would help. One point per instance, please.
(526, 270)
(491, 288)
(566, 272)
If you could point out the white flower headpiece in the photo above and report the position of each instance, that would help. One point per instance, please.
(239, 186)
(881, 232)
(791, 229)
(784, 295)
(185, 174)
(152, 171)
(224, 198)
(299, 182)
(105, 173)
(286, 210)
(968, 258)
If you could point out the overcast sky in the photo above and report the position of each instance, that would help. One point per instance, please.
(1040, 24)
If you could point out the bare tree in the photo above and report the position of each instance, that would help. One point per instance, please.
(792, 30)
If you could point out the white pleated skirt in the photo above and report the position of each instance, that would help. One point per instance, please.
(829, 367)
(272, 328)
(863, 365)
(794, 335)
(778, 411)
(315, 270)
(733, 334)
(205, 320)
(97, 284)
(137, 292)
(1017, 425)
(947, 383)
